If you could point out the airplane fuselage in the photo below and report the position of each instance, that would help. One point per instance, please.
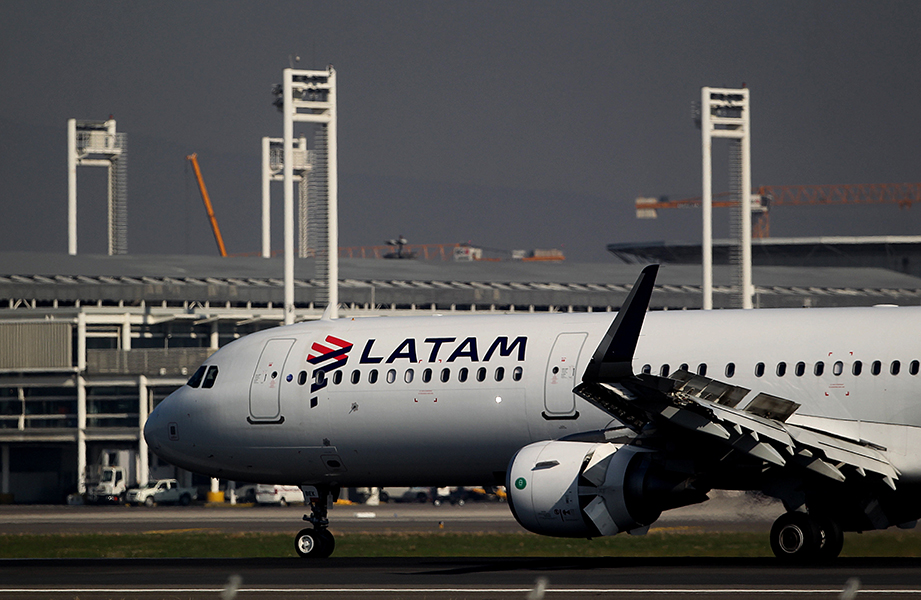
(448, 400)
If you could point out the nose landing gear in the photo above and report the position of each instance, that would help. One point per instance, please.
(317, 541)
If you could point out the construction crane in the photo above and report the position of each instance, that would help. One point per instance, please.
(768, 196)
(193, 158)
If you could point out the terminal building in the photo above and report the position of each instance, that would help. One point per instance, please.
(90, 344)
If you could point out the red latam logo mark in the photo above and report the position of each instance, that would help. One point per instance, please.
(326, 356)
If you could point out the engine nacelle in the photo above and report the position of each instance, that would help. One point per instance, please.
(585, 489)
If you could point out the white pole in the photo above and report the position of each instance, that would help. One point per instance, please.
(746, 234)
(72, 186)
(144, 466)
(289, 198)
(81, 435)
(332, 211)
(706, 243)
(266, 195)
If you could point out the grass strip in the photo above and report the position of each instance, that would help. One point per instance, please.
(196, 544)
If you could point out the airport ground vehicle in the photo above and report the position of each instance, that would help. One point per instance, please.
(110, 478)
(278, 494)
(163, 491)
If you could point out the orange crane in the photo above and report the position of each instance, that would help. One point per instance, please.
(193, 158)
(768, 196)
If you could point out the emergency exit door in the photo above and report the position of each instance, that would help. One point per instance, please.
(562, 371)
(265, 389)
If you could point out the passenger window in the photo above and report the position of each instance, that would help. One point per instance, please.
(445, 375)
(856, 368)
(876, 367)
(759, 370)
(702, 369)
(302, 378)
(356, 376)
(462, 374)
(895, 367)
(913, 367)
(730, 369)
(426, 375)
(210, 377)
(481, 374)
(321, 377)
(337, 377)
(838, 368)
(647, 369)
(781, 369)
(195, 379)
(391, 375)
(819, 369)
(800, 369)
(500, 373)
(683, 366)
(516, 374)
(372, 376)
(408, 376)
(663, 371)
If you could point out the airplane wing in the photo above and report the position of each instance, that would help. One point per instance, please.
(698, 418)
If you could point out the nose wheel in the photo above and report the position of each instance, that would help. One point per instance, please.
(316, 541)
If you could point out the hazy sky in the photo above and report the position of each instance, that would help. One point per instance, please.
(508, 124)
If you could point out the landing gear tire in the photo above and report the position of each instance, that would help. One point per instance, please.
(314, 543)
(795, 536)
(831, 538)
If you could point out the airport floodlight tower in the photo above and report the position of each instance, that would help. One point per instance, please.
(310, 97)
(724, 113)
(273, 160)
(97, 144)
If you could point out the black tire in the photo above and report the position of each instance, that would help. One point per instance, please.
(831, 537)
(283, 502)
(149, 501)
(313, 543)
(185, 499)
(329, 543)
(795, 537)
(384, 497)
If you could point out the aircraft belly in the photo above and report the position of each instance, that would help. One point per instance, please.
(424, 436)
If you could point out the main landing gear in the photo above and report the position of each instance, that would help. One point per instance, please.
(317, 541)
(798, 536)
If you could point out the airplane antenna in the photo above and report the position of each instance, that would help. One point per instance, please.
(327, 313)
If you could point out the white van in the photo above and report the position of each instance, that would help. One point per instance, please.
(279, 494)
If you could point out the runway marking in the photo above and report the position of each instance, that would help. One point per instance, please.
(523, 590)
(181, 530)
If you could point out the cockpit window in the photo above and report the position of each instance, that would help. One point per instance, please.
(196, 377)
(210, 377)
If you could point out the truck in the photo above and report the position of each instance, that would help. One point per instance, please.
(111, 476)
(161, 491)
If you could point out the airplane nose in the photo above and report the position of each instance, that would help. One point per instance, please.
(156, 429)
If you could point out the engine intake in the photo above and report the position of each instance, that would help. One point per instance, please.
(584, 489)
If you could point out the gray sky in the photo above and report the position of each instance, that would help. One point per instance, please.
(508, 124)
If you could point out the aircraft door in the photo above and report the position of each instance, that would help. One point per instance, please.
(560, 379)
(265, 389)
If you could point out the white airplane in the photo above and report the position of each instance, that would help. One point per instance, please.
(595, 427)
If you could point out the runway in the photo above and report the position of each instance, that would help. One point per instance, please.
(723, 513)
(451, 578)
(429, 578)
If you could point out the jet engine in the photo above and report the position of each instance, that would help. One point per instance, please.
(585, 489)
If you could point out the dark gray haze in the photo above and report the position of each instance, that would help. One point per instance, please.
(507, 124)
